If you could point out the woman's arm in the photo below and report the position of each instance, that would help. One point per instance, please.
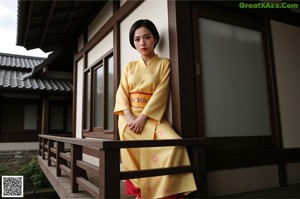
(156, 106)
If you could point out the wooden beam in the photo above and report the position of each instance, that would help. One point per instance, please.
(47, 23)
(28, 22)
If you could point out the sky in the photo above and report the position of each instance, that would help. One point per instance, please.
(8, 31)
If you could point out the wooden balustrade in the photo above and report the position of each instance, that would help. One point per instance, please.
(109, 174)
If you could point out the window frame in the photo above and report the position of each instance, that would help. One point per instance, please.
(91, 130)
(227, 15)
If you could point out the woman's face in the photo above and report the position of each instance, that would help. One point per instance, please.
(144, 41)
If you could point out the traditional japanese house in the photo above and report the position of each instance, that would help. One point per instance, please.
(234, 89)
(34, 98)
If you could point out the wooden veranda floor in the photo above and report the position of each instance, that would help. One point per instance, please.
(63, 188)
(62, 184)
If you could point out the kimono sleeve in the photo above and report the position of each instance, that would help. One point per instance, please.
(156, 106)
(122, 95)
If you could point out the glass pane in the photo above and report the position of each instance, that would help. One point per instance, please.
(110, 85)
(30, 117)
(87, 101)
(57, 118)
(12, 116)
(99, 95)
(234, 80)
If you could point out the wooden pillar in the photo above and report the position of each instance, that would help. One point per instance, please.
(59, 160)
(44, 141)
(199, 160)
(76, 154)
(50, 145)
(45, 115)
(109, 173)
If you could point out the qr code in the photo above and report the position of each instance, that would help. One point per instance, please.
(12, 186)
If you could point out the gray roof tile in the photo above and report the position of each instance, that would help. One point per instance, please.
(14, 67)
(19, 61)
(13, 79)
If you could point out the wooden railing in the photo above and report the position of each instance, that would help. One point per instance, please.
(70, 161)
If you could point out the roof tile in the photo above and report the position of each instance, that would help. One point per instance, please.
(13, 69)
(20, 61)
(14, 79)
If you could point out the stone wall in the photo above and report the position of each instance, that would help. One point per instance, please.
(16, 158)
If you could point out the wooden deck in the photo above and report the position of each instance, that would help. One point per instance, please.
(62, 184)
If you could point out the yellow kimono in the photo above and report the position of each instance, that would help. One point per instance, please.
(144, 89)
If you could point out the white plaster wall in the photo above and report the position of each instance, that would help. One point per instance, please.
(225, 182)
(102, 17)
(286, 43)
(79, 101)
(19, 146)
(293, 173)
(105, 45)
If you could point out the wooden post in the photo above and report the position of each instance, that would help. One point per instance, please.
(45, 115)
(50, 145)
(59, 160)
(199, 160)
(109, 173)
(43, 148)
(40, 146)
(76, 154)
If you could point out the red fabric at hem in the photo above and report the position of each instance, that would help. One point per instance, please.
(132, 190)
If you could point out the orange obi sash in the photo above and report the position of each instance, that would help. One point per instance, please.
(139, 100)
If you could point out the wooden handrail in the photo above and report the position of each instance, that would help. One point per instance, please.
(117, 144)
(109, 161)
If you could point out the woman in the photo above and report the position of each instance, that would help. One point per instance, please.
(140, 103)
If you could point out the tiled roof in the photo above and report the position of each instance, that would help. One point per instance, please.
(14, 79)
(14, 69)
(19, 61)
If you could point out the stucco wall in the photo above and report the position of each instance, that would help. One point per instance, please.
(105, 45)
(79, 101)
(286, 43)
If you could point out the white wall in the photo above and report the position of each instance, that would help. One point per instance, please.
(79, 95)
(286, 43)
(105, 45)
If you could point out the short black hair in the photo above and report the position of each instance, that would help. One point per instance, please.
(143, 23)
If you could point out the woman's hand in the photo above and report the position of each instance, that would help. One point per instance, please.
(129, 117)
(138, 124)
